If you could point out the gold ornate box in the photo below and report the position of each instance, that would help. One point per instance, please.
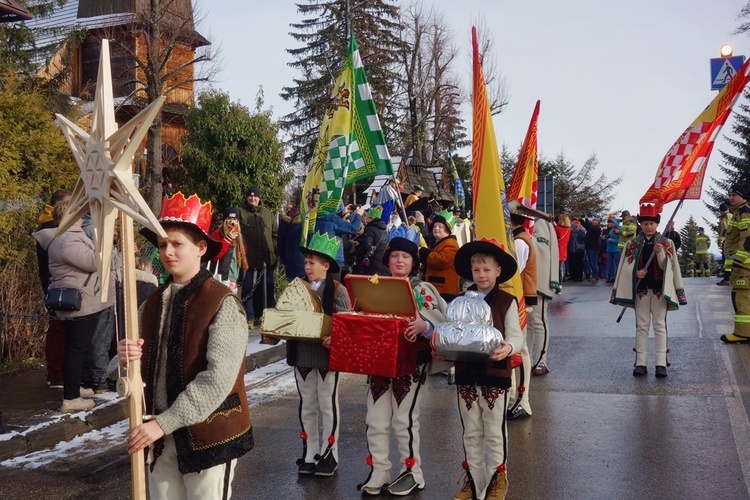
(298, 315)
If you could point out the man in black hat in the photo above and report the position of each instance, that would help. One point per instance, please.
(724, 220)
(260, 230)
(737, 260)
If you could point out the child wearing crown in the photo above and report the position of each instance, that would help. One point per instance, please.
(651, 288)
(483, 385)
(194, 336)
(394, 403)
(317, 385)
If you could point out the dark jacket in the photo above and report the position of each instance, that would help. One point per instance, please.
(290, 235)
(593, 235)
(373, 235)
(675, 237)
(260, 230)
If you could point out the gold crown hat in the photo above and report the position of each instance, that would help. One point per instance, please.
(324, 246)
(446, 218)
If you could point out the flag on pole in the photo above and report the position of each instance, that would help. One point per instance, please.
(523, 187)
(491, 214)
(459, 197)
(351, 145)
(682, 170)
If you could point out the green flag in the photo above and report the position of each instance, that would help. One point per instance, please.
(351, 145)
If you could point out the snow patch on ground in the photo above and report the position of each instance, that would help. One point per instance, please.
(263, 385)
(86, 444)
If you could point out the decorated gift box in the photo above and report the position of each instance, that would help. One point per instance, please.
(370, 340)
(298, 315)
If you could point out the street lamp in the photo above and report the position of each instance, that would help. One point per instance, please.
(726, 50)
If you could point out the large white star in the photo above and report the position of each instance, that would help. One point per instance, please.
(105, 156)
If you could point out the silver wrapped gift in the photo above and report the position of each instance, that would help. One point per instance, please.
(463, 341)
(468, 334)
(470, 308)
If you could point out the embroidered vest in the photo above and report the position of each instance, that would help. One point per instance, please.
(227, 433)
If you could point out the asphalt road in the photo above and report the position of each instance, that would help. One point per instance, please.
(596, 431)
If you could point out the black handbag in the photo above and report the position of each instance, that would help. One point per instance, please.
(64, 299)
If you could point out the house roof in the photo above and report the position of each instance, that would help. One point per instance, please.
(96, 14)
(408, 175)
(11, 10)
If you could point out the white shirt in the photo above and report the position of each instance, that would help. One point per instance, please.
(522, 254)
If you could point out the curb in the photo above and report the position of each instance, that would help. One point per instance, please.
(70, 427)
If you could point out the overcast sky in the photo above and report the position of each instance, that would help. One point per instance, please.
(619, 79)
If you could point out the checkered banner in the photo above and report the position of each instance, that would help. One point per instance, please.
(351, 145)
(374, 158)
(680, 173)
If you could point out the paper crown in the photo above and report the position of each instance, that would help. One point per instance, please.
(402, 231)
(649, 212)
(446, 218)
(177, 208)
(375, 212)
(325, 246)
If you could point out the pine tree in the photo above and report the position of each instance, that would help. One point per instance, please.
(735, 166)
(688, 233)
(324, 38)
(579, 192)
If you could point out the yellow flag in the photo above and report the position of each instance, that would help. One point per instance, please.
(491, 215)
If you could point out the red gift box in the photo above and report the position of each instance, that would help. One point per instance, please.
(371, 340)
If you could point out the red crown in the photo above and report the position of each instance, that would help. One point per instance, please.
(649, 210)
(494, 242)
(176, 208)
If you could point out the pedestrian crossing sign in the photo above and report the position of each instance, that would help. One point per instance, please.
(723, 69)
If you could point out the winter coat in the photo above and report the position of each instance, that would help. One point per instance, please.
(333, 225)
(593, 234)
(373, 235)
(290, 235)
(439, 270)
(563, 236)
(260, 231)
(71, 260)
(45, 222)
(672, 289)
(145, 284)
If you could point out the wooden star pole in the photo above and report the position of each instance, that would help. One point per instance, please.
(106, 188)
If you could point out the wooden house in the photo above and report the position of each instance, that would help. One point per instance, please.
(123, 23)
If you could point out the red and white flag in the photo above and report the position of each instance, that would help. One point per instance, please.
(684, 166)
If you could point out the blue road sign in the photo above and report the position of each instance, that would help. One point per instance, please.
(723, 69)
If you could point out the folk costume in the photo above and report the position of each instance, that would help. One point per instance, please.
(195, 336)
(527, 263)
(737, 261)
(651, 297)
(230, 264)
(318, 386)
(438, 260)
(483, 387)
(395, 403)
(548, 280)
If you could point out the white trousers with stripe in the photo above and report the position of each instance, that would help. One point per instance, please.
(166, 482)
(318, 399)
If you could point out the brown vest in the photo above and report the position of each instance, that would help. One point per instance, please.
(227, 433)
(528, 276)
(491, 373)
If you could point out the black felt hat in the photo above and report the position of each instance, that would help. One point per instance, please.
(462, 260)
